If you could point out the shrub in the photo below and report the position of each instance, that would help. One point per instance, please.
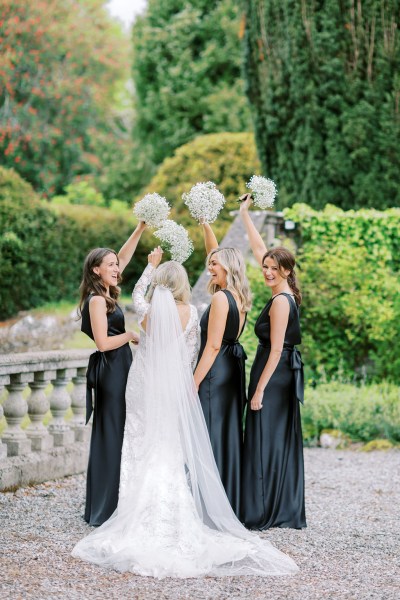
(350, 281)
(227, 159)
(42, 247)
(364, 413)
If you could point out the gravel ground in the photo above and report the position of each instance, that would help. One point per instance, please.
(350, 549)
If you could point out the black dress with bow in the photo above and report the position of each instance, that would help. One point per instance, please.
(273, 467)
(223, 395)
(107, 375)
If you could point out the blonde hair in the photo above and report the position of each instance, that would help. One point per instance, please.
(173, 276)
(231, 259)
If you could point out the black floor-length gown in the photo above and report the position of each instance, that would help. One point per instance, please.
(107, 375)
(223, 395)
(273, 467)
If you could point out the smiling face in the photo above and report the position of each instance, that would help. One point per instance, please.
(217, 271)
(108, 270)
(273, 276)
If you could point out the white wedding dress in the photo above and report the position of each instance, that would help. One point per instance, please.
(173, 517)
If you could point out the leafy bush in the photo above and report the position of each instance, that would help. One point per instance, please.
(364, 413)
(42, 247)
(350, 281)
(80, 192)
(227, 159)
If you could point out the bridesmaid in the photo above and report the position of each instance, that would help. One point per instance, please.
(103, 321)
(273, 469)
(219, 375)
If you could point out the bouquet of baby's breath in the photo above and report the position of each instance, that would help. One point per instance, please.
(204, 201)
(263, 191)
(175, 239)
(153, 209)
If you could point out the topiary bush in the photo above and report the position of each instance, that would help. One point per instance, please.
(227, 159)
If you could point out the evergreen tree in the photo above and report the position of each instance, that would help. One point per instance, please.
(187, 72)
(323, 81)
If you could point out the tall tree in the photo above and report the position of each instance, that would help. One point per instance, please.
(187, 72)
(60, 66)
(323, 80)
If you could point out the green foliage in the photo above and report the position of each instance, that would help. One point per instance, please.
(227, 159)
(42, 247)
(61, 64)
(187, 72)
(323, 82)
(351, 291)
(80, 192)
(261, 295)
(364, 413)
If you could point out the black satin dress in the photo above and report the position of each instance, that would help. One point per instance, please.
(273, 468)
(223, 395)
(107, 375)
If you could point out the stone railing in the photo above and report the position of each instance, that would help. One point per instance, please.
(38, 453)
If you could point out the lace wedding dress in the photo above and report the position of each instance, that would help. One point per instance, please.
(173, 517)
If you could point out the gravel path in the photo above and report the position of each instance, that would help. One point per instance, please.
(350, 550)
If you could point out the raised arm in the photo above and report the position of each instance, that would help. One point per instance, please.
(210, 241)
(279, 317)
(256, 242)
(128, 249)
(140, 303)
(98, 321)
(215, 333)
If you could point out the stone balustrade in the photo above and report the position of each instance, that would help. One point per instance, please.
(38, 453)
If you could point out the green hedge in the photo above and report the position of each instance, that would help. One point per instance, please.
(363, 413)
(227, 159)
(349, 273)
(350, 316)
(42, 247)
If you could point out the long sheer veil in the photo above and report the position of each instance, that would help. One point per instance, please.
(174, 415)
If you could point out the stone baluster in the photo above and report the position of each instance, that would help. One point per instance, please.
(3, 381)
(60, 402)
(78, 405)
(15, 408)
(38, 406)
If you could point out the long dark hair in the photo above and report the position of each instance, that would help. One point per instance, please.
(92, 283)
(285, 261)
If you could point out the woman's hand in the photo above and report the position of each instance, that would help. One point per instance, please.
(155, 257)
(141, 226)
(134, 337)
(256, 401)
(245, 202)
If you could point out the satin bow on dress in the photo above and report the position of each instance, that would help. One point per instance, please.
(297, 365)
(92, 379)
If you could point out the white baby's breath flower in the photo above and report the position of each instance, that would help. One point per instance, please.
(264, 191)
(153, 209)
(204, 201)
(175, 239)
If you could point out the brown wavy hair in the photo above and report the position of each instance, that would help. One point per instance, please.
(285, 261)
(91, 282)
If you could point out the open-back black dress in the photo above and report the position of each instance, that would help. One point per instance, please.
(273, 468)
(223, 395)
(107, 375)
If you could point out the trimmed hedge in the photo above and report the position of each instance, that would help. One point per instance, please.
(350, 267)
(42, 247)
(227, 159)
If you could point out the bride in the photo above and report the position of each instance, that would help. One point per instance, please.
(173, 517)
